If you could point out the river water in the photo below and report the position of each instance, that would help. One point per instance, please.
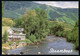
(55, 43)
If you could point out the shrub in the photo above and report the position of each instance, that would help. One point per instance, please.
(10, 42)
(27, 41)
(17, 42)
(4, 50)
(32, 38)
(10, 47)
(5, 36)
(65, 33)
(77, 44)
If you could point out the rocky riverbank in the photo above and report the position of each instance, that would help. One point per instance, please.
(21, 44)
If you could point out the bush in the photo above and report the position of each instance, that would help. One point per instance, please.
(33, 38)
(10, 47)
(10, 42)
(4, 50)
(5, 36)
(17, 42)
(27, 41)
(69, 36)
(65, 33)
(77, 44)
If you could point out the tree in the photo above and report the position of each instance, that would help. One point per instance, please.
(7, 22)
(18, 22)
(34, 22)
(57, 28)
(73, 35)
(2, 8)
(5, 36)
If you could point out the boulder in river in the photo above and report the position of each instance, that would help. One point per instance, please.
(21, 53)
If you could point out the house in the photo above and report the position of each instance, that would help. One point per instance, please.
(16, 34)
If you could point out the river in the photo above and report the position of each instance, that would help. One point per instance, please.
(56, 43)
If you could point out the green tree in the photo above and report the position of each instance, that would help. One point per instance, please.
(34, 22)
(73, 35)
(18, 22)
(56, 29)
(33, 38)
(5, 36)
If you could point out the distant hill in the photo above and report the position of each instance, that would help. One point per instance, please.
(15, 9)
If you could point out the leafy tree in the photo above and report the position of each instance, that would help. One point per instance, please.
(57, 28)
(18, 22)
(5, 36)
(34, 22)
(73, 35)
(7, 22)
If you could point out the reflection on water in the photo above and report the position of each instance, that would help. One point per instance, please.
(44, 48)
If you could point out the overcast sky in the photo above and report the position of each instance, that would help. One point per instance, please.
(62, 4)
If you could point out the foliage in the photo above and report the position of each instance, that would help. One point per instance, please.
(18, 22)
(10, 47)
(7, 22)
(59, 33)
(59, 28)
(5, 36)
(10, 42)
(73, 35)
(33, 38)
(4, 50)
(17, 42)
(34, 22)
(27, 41)
(56, 29)
(68, 15)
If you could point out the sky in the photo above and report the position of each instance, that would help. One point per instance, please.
(62, 4)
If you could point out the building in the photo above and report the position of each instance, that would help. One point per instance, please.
(16, 34)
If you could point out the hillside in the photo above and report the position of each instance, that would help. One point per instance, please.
(17, 9)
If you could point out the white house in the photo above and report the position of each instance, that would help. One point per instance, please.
(16, 34)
